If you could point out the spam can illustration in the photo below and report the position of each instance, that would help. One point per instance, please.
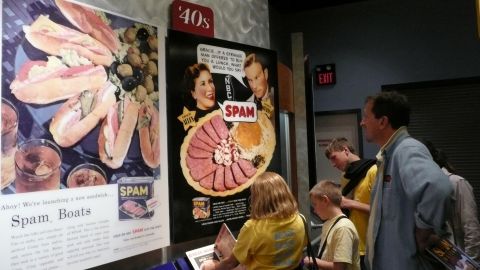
(133, 195)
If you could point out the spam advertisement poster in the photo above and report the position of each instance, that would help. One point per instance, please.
(82, 89)
(222, 110)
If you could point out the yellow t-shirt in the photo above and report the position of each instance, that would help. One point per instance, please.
(362, 193)
(342, 243)
(271, 243)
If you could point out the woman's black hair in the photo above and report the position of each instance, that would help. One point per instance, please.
(191, 73)
(439, 156)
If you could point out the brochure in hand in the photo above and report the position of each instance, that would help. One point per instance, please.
(452, 257)
(222, 248)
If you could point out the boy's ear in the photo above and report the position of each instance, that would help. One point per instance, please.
(325, 198)
(328, 199)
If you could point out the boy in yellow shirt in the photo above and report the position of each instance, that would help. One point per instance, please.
(357, 182)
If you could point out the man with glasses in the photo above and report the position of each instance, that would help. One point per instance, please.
(411, 194)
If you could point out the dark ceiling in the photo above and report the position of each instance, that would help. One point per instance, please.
(292, 6)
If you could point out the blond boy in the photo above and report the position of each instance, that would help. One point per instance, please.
(339, 239)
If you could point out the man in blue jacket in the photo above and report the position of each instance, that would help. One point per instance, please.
(409, 202)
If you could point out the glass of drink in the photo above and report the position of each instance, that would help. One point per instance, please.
(87, 174)
(37, 166)
(9, 142)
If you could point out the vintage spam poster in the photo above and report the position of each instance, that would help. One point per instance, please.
(83, 175)
(222, 110)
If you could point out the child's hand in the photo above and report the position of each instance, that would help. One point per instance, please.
(307, 261)
(208, 265)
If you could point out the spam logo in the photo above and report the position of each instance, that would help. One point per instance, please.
(134, 190)
(236, 111)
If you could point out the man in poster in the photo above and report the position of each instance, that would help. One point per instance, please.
(256, 74)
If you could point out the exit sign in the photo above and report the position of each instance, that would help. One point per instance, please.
(325, 74)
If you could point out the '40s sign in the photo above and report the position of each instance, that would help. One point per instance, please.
(192, 18)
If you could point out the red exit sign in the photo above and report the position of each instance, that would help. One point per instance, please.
(325, 74)
(192, 18)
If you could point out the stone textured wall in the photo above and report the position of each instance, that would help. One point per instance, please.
(243, 21)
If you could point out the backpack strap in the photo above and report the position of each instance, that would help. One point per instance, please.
(320, 253)
(310, 252)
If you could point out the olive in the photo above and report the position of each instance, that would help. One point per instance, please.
(138, 75)
(144, 47)
(129, 83)
(142, 34)
(113, 67)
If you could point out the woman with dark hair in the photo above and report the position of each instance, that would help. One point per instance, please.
(200, 89)
(274, 236)
(464, 216)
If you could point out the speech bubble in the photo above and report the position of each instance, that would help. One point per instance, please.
(239, 111)
(222, 60)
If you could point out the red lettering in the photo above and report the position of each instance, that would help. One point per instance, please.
(137, 230)
(239, 111)
(235, 111)
(250, 112)
(325, 78)
(228, 110)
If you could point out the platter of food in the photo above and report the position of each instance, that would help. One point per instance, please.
(221, 158)
(89, 80)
